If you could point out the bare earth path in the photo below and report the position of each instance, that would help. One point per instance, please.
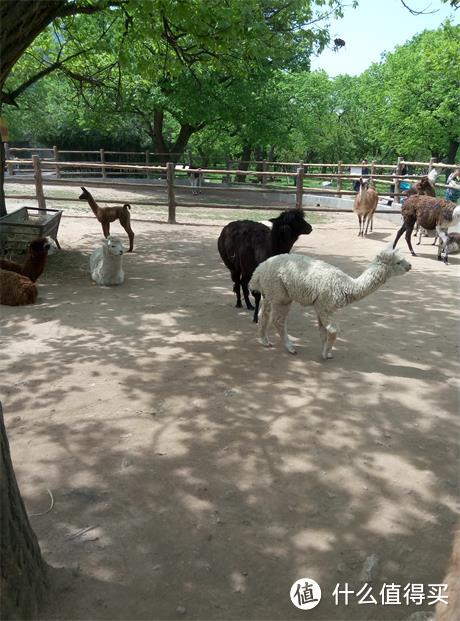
(196, 474)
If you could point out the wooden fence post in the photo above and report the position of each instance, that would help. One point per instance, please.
(264, 169)
(228, 166)
(38, 182)
(147, 163)
(104, 172)
(56, 159)
(171, 195)
(397, 186)
(339, 179)
(299, 187)
(10, 167)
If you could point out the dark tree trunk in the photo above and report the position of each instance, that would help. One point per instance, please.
(2, 179)
(244, 162)
(24, 584)
(181, 143)
(452, 151)
(21, 22)
(170, 153)
(159, 145)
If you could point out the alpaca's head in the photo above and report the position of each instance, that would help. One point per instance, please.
(291, 222)
(52, 249)
(363, 184)
(84, 195)
(112, 246)
(424, 183)
(393, 261)
(39, 247)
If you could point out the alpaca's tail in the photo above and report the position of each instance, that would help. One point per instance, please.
(127, 205)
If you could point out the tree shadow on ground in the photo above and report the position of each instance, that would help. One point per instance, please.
(193, 468)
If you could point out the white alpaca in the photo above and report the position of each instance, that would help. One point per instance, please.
(288, 278)
(105, 262)
(433, 175)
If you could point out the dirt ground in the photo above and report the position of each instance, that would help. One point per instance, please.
(196, 474)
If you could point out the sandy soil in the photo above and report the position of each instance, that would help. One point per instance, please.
(196, 474)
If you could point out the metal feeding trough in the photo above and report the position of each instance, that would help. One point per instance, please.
(20, 227)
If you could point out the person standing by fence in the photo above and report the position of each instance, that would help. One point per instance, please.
(453, 181)
(402, 171)
(364, 173)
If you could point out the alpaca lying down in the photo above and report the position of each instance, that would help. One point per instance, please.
(288, 278)
(105, 262)
(16, 289)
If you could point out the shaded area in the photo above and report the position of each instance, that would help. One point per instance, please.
(193, 468)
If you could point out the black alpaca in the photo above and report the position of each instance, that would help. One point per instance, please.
(244, 244)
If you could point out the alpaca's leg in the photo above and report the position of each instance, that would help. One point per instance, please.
(398, 234)
(365, 223)
(360, 220)
(236, 277)
(279, 315)
(256, 295)
(264, 322)
(244, 286)
(408, 238)
(126, 224)
(328, 333)
(367, 220)
(322, 331)
(106, 228)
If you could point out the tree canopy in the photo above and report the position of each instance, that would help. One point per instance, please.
(230, 77)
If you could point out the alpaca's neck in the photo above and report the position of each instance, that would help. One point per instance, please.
(281, 244)
(92, 203)
(33, 267)
(362, 194)
(370, 280)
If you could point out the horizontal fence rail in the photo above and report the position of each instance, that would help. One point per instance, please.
(170, 178)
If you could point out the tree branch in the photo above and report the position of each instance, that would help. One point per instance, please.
(75, 9)
(414, 12)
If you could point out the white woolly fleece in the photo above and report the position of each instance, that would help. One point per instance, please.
(106, 262)
(293, 277)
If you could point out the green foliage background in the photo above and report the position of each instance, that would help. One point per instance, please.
(232, 78)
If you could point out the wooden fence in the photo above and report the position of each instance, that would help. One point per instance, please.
(40, 171)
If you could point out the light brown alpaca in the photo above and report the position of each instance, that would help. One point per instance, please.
(364, 205)
(16, 290)
(451, 612)
(106, 215)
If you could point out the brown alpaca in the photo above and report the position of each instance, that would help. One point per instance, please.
(16, 290)
(106, 215)
(422, 186)
(35, 260)
(429, 213)
(451, 611)
(364, 205)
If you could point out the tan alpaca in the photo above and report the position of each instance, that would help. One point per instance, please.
(365, 204)
(106, 215)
